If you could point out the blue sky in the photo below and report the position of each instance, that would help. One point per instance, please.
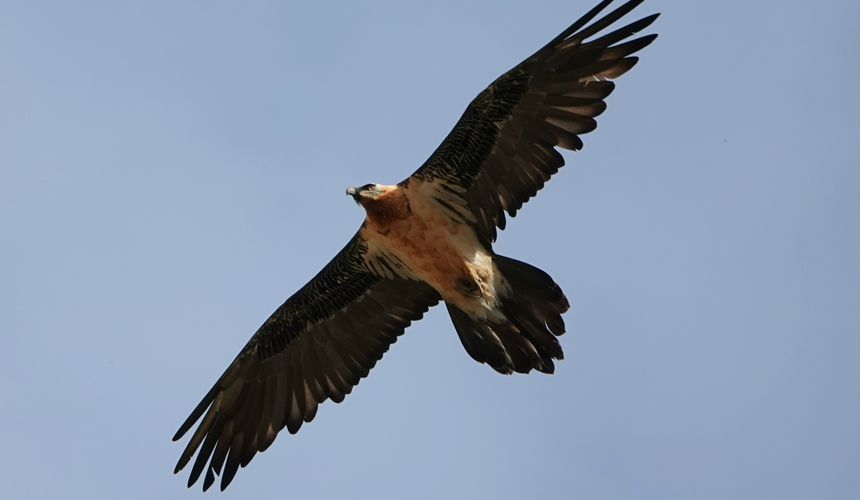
(170, 172)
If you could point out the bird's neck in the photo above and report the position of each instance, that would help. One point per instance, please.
(386, 209)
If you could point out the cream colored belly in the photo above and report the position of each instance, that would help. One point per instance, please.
(448, 256)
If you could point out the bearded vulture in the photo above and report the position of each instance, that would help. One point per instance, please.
(426, 239)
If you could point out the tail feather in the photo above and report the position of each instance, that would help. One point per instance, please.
(479, 340)
(527, 340)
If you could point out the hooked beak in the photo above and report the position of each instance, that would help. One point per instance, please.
(354, 193)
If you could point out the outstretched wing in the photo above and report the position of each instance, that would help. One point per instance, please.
(316, 346)
(502, 150)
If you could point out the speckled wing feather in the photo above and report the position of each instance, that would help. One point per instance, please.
(502, 150)
(316, 346)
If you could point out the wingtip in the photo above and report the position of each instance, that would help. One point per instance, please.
(227, 479)
(183, 461)
(648, 20)
(209, 479)
(190, 421)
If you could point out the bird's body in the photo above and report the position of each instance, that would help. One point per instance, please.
(413, 232)
(425, 240)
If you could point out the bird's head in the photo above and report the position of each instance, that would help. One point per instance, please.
(383, 204)
(368, 192)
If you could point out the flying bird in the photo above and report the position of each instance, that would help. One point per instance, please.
(427, 239)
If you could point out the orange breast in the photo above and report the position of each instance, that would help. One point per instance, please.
(422, 238)
(385, 211)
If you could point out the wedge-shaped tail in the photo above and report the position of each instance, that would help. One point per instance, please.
(527, 340)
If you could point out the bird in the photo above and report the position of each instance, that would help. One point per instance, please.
(425, 240)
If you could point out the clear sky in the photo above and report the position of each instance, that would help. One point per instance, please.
(170, 172)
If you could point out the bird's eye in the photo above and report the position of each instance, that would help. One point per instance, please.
(369, 187)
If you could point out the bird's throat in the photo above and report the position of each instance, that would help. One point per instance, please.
(385, 210)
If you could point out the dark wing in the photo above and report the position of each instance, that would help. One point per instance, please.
(502, 150)
(316, 346)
